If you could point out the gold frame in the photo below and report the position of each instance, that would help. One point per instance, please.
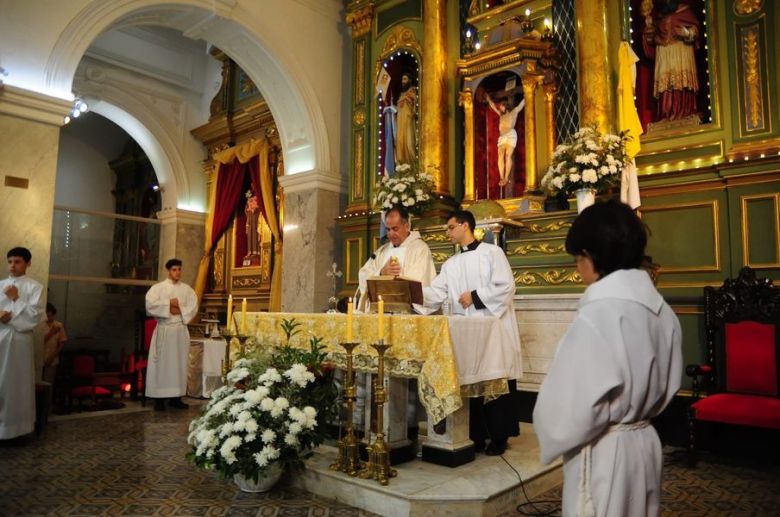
(705, 268)
(744, 223)
(348, 261)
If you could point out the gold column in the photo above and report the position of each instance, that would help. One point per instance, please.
(550, 95)
(530, 82)
(435, 136)
(593, 63)
(466, 99)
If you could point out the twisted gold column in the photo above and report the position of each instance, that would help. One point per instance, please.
(529, 92)
(435, 136)
(593, 63)
(466, 99)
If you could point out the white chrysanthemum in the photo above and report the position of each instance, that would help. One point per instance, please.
(270, 452)
(295, 428)
(226, 429)
(574, 178)
(261, 459)
(582, 158)
(282, 403)
(558, 182)
(310, 412)
(270, 376)
(291, 439)
(237, 374)
(251, 425)
(395, 199)
(268, 436)
(589, 176)
(250, 437)
(604, 170)
(267, 404)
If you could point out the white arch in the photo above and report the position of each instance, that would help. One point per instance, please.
(275, 71)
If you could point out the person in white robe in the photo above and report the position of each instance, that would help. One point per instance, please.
(405, 254)
(478, 281)
(21, 308)
(618, 366)
(173, 304)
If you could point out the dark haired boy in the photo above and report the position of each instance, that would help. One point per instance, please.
(173, 304)
(20, 312)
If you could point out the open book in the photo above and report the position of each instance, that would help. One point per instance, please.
(398, 293)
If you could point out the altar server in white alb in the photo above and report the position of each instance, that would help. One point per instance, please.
(173, 303)
(21, 309)
(405, 254)
(478, 281)
(618, 366)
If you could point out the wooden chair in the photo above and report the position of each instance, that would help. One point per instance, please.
(741, 376)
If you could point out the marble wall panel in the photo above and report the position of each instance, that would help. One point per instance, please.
(309, 249)
(28, 150)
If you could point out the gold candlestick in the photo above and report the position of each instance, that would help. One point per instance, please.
(379, 453)
(348, 460)
(227, 363)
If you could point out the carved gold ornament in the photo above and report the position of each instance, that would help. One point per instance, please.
(360, 73)
(357, 186)
(360, 20)
(746, 7)
(440, 257)
(400, 37)
(543, 247)
(552, 227)
(359, 117)
(435, 237)
(554, 277)
(752, 76)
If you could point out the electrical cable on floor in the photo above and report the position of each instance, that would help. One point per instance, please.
(536, 511)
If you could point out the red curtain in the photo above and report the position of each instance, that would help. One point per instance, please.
(230, 183)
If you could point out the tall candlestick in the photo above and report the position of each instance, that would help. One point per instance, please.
(381, 312)
(230, 314)
(349, 321)
(243, 317)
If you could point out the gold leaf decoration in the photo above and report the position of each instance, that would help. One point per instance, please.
(551, 227)
(554, 277)
(440, 257)
(435, 237)
(747, 7)
(544, 247)
(752, 76)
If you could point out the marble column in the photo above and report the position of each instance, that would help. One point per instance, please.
(181, 236)
(312, 201)
(30, 128)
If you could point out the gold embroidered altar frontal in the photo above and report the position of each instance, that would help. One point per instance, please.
(421, 348)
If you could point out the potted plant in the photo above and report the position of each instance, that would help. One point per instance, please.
(269, 416)
(587, 163)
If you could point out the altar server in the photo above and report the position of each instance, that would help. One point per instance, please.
(618, 366)
(21, 308)
(478, 281)
(405, 254)
(173, 303)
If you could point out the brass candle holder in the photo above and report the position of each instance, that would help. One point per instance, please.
(378, 466)
(227, 363)
(348, 459)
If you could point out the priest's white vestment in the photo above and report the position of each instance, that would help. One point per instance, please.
(17, 361)
(414, 257)
(166, 375)
(485, 270)
(618, 365)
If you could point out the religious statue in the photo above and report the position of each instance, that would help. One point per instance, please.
(252, 212)
(405, 122)
(507, 139)
(671, 37)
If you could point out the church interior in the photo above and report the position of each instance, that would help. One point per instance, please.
(261, 144)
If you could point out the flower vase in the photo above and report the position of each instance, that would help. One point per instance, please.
(585, 198)
(263, 484)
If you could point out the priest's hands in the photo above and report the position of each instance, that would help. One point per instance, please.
(175, 309)
(465, 300)
(5, 316)
(12, 292)
(393, 267)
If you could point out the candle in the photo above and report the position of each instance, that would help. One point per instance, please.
(381, 312)
(349, 321)
(230, 314)
(243, 317)
(527, 13)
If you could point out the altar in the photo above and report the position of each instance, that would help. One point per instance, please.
(450, 356)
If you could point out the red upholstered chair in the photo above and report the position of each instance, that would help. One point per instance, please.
(88, 384)
(141, 360)
(742, 375)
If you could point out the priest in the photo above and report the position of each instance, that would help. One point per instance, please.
(173, 304)
(405, 254)
(478, 281)
(21, 306)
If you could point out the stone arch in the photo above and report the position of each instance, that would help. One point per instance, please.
(273, 68)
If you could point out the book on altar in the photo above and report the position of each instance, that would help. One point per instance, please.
(398, 293)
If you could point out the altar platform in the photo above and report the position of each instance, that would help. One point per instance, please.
(485, 487)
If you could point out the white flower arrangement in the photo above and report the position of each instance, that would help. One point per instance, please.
(414, 191)
(265, 415)
(587, 159)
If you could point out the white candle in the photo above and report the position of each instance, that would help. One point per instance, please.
(230, 314)
(243, 317)
(381, 313)
(349, 321)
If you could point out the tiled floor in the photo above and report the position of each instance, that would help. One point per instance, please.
(132, 463)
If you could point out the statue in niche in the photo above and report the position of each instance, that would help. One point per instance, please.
(672, 84)
(398, 98)
(507, 136)
(252, 213)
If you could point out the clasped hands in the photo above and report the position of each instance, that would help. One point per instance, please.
(392, 267)
(175, 309)
(465, 300)
(11, 292)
